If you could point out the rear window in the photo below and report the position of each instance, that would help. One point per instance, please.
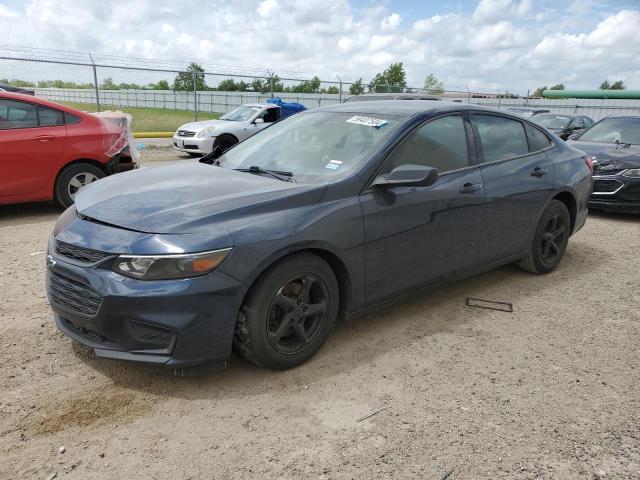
(70, 119)
(538, 140)
(500, 137)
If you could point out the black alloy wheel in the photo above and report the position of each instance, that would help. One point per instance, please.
(297, 314)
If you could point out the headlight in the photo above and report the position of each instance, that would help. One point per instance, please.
(632, 172)
(206, 132)
(167, 267)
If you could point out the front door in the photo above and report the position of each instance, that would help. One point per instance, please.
(419, 235)
(29, 147)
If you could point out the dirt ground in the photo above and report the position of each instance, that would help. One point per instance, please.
(551, 390)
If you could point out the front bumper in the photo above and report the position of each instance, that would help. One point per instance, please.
(615, 193)
(175, 323)
(193, 144)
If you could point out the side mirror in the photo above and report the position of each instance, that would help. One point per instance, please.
(408, 175)
(576, 127)
(258, 120)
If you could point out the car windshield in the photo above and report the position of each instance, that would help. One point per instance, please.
(612, 130)
(554, 122)
(240, 114)
(314, 146)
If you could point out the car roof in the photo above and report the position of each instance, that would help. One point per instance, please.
(568, 115)
(261, 105)
(402, 108)
(39, 101)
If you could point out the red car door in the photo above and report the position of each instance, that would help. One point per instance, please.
(32, 138)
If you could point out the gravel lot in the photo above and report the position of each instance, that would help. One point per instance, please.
(548, 391)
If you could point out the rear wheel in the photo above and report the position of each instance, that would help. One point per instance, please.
(289, 313)
(72, 179)
(225, 142)
(549, 241)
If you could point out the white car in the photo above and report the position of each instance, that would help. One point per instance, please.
(200, 138)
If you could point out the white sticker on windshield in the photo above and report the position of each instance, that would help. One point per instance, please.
(333, 164)
(367, 121)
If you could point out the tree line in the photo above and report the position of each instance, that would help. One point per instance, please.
(619, 85)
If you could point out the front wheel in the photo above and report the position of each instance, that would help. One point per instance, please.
(549, 241)
(72, 179)
(289, 313)
(225, 142)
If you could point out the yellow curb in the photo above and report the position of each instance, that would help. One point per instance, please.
(152, 134)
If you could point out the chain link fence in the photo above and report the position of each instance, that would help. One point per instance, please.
(162, 95)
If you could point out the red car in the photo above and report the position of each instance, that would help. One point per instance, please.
(49, 151)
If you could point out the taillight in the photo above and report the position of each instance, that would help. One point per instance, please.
(589, 161)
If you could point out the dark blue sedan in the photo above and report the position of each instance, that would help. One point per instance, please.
(322, 215)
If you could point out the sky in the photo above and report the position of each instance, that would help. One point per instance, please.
(486, 45)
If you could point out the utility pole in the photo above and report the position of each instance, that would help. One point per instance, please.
(95, 81)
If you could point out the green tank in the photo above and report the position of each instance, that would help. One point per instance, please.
(602, 94)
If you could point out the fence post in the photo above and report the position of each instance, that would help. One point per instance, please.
(340, 87)
(95, 81)
(195, 96)
(270, 82)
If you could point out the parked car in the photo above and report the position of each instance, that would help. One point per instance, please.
(613, 145)
(391, 96)
(526, 112)
(324, 214)
(49, 151)
(563, 125)
(199, 138)
(9, 88)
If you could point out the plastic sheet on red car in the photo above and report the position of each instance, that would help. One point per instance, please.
(117, 138)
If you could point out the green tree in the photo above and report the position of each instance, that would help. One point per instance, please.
(559, 86)
(333, 89)
(619, 85)
(107, 84)
(433, 85)
(161, 85)
(356, 88)
(228, 85)
(393, 79)
(605, 85)
(538, 91)
(184, 80)
(307, 86)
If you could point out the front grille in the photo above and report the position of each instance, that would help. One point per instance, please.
(72, 296)
(185, 133)
(606, 186)
(81, 254)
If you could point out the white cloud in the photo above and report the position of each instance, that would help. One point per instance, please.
(391, 22)
(506, 44)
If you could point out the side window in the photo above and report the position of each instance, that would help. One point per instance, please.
(588, 123)
(500, 137)
(15, 114)
(70, 119)
(48, 117)
(270, 115)
(441, 143)
(577, 123)
(537, 139)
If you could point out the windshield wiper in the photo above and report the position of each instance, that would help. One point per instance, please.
(278, 174)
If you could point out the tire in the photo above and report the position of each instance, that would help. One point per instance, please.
(192, 154)
(225, 142)
(74, 177)
(289, 313)
(549, 241)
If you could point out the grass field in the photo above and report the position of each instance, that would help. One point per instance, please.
(149, 119)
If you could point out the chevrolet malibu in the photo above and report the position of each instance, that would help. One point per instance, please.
(322, 215)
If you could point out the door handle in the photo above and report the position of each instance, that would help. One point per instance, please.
(538, 172)
(44, 138)
(470, 187)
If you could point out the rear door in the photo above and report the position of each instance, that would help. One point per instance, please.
(517, 177)
(418, 235)
(31, 141)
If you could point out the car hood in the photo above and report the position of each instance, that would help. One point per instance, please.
(607, 153)
(197, 126)
(187, 197)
